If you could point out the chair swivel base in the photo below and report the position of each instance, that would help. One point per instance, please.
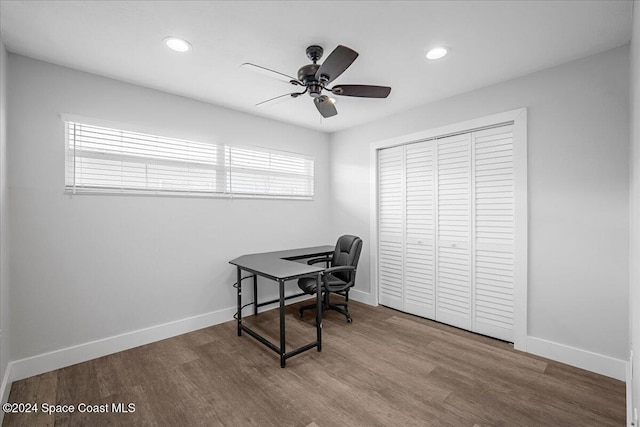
(336, 307)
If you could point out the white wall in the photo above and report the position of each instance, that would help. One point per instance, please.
(86, 268)
(634, 288)
(4, 229)
(578, 133)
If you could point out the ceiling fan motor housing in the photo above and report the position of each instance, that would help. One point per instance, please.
(307, 75)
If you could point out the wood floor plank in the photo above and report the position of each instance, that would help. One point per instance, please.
(387, 368)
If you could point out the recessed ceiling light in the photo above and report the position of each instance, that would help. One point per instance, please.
(437, 53)
(177, 44)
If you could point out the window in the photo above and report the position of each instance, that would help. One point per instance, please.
(106, 160)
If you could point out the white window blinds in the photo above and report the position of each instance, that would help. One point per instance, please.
(268, 173)
(101, 159)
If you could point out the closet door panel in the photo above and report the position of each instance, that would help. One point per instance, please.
(391, 224)
(494, 232)
(453, 283)
(419, 253)
(454, 286)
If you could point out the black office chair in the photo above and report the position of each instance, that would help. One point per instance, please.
(339, 277)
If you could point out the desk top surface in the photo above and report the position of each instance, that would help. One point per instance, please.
(279, 265)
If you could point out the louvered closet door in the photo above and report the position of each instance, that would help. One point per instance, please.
(390, 222)
(419, 255)
(494, 232)
(446, 230)
(453, 288)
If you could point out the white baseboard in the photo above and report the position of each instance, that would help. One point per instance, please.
(594, 362)
(629, 382)
(363, 297)
(5, 388)
(57, 359)
(35, 365)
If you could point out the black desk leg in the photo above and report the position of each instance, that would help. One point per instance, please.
(283, 350)
(255, 294)
(239, 301)
(319, 311)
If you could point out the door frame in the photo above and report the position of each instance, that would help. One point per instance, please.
(519, 119)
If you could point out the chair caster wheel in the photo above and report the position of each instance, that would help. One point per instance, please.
(349, 320)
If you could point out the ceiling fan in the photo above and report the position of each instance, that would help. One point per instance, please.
(315, 78)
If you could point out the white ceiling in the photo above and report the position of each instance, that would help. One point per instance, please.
(490, 41)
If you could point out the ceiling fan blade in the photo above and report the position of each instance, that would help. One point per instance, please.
(325, 106)
(363, 91)
(335, 64)
(278, 99)
(268, 72)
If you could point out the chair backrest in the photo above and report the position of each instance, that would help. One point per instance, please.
(347, 252)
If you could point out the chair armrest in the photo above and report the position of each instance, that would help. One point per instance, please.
(318, 260)
(339, 268)
(347, 285)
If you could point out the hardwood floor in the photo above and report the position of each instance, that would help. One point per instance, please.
(385, 369)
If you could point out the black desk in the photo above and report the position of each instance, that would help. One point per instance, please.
(281, 267)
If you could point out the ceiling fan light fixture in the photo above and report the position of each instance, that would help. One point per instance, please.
(177, 44)
(437, 53)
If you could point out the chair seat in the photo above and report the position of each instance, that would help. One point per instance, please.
(308, 284)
